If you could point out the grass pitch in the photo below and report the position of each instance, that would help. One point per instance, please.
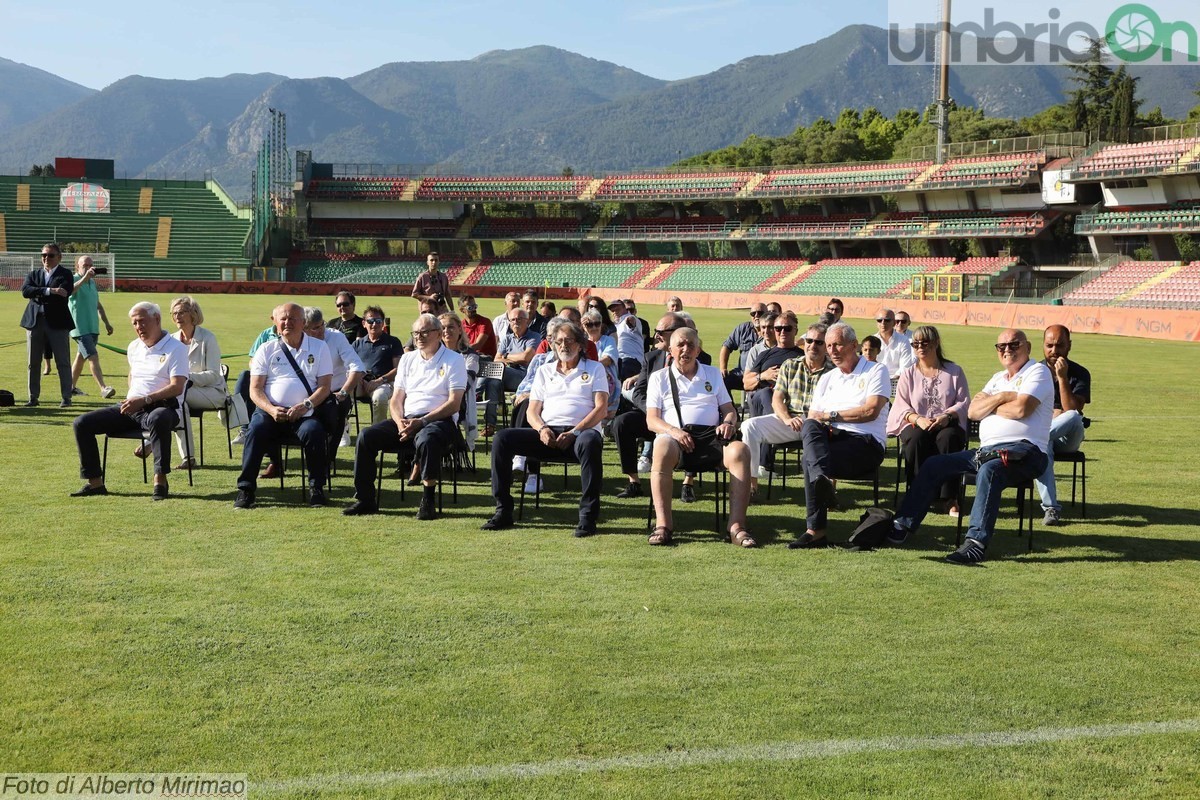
(328, 656)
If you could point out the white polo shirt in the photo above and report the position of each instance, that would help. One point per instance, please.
(342, 357)
(568, 397)
(700, 398)
(152, 368)
(897, 355)
(1033, 379)
(284, 387)
(838, 391)
(427, 383)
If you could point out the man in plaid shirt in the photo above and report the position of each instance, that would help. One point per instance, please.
(793, 393)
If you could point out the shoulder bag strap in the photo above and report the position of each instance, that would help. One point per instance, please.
(288, 354)
(675, 394)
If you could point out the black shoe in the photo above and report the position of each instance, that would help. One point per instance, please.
(316, 497)
(582, 530)
(65, 404)
(162, 491)
(245, 499)
(498, 522)
(688, 493)
(631, 490)
(808, 542)
(425, 511)
(826, 496)
(360, 508)
(970, 554)
(90, 491)
(31, 404)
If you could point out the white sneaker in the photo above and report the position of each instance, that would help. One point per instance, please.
(643, 465)
(240, 438)
(518, 463)
(344, 441)
(764, 474)
(533, 484)
(107, 392)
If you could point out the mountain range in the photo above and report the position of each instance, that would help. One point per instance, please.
(537, 109)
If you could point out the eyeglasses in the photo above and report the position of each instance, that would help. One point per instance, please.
(425, 332)
(784, 328)
(813, 341)
(919, 343)
(1012, 347)
(563, 342)
(344, 305)
(373, 321)
(885, 319)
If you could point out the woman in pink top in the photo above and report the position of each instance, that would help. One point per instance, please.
(929, 414)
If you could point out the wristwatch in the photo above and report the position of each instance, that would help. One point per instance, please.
(308, 404)
(834, 416)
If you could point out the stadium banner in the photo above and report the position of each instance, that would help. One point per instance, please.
(83, 198)
(1054, 190)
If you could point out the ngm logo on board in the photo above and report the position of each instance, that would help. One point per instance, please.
(1029, 34)
(84, 198)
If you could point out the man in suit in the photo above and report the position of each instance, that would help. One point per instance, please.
(48, 323)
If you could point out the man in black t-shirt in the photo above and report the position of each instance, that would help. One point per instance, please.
(347, 322)
(1072, 391)
(380, 353)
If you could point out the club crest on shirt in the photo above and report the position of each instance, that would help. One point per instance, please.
(162, 359)
(708, 386)
(1017, 383)
(442, 371)
(311, 359)
(862, 383)
(585, 377)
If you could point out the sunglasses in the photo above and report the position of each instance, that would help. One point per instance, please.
(885, 319)
(757, 313)
(919, 343)
(344, 305)
(1012, 347)
(784, 328)
(591, 324)
(49, 255)
(425, 332)
(373, 321)
(665, 331)
(813, 341)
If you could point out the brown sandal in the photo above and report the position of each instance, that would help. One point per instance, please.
(661, 535)
(741, 537)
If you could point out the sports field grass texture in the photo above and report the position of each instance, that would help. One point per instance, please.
(327, 656)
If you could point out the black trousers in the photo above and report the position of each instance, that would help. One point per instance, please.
(918, 445)
(627, 428)
(833, 453)
(587, 453)
(156, 423)
(430, 445)
(264, 435)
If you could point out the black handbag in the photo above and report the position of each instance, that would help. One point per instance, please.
(702, 435)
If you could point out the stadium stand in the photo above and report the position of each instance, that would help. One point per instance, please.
(864, 277)
(543, 228)
(558, 272)
(1183, 218)
(183, 229)
(357, 188)
(512, 188)
(352, 269)
(810, 226)
(959, 224)
(669, 229)
(1141, 158)
(1010, 169)
(655, 186)
(843, 179)
(1116, 282)
(982, 265)
(1180, 288)
(721, 276)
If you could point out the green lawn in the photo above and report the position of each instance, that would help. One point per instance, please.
(327, 656)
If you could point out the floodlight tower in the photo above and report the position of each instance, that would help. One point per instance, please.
(942, 122)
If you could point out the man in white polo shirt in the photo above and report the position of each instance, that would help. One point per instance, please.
(348, 372)
(567, 403)
(846, 430)
(289, 380)
(895, 351)
(430, 382)
(1014, 412)
(158, 373)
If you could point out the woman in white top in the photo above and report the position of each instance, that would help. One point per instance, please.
(208, 390)
(606, 349)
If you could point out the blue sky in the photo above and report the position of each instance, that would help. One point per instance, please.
(98, 43)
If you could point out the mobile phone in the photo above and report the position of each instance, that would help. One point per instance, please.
(99, 270)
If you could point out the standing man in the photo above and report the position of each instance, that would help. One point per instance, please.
(379, 353)
(430, 384)
(741, 339)
(846, 430)
(1072, 391)
(87, 312)
(895, 352)
(158, 373)
(348, 323)
(47, 321)
(289, 379)
(433, 285)
(1014, 412)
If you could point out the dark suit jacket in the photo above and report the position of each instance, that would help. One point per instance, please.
(58, 313)
(656, 360)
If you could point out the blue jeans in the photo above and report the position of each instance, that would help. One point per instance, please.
(990, 482)
(264, 435)
(1066, 435)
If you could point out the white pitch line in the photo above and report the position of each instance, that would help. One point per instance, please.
(790, 751)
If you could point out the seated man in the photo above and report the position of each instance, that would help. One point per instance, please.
(347, 373)
(690, 410)
(763, 371)
(790, 401)
(845, 433)
(290, 379)
(895, 351)
(429, 391)
(158, 373)
(379, 353)
(477, 328)
(515, 351)
(1072, 391)
(1014, 412)
(567, 404)
(741, 339)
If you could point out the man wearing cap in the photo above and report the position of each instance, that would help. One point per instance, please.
(631, 348)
